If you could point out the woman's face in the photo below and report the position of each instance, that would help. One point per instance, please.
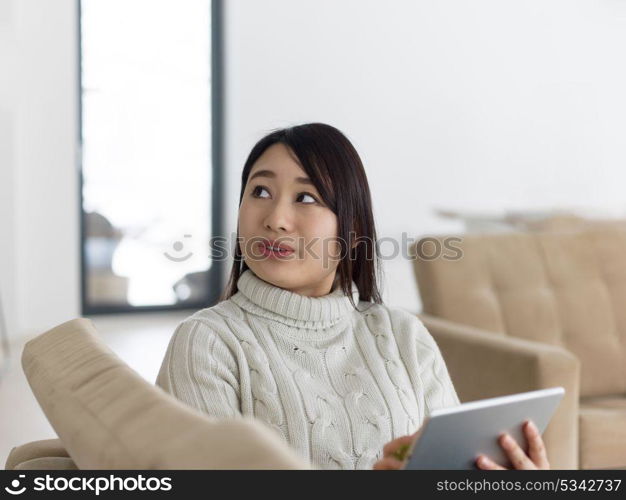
(280, 204)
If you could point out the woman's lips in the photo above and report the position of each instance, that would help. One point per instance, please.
(269, 252)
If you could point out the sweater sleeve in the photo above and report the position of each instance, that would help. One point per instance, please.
(423, 358)
(200, 370)
(439, 391)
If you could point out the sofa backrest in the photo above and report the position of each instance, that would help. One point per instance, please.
(563, 288)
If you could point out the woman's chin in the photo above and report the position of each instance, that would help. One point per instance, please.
(276, 274)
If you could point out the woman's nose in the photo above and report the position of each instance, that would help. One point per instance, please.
(279, 218)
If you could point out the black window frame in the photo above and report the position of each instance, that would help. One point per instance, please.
(215, 280)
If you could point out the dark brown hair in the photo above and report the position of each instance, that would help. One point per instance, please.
(335, 168)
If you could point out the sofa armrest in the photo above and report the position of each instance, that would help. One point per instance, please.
(42, 454)
(108, 417)
(484, 364)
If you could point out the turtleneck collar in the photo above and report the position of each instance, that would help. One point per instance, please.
(264, 299)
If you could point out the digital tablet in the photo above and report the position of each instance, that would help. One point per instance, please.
(452, 438)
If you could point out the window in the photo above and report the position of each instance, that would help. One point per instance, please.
(150, 128)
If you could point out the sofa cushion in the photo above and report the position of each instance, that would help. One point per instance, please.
(603, 433)
(47, 463)
(34, 450)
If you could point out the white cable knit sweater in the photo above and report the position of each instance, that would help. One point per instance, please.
(336, 383)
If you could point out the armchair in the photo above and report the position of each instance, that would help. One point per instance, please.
(521, 311)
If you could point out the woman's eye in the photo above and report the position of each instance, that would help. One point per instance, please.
(256, 192)
(257, 189)
(310, 196)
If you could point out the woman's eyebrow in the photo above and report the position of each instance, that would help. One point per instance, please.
(272, 175)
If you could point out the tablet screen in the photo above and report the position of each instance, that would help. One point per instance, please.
(452, 438)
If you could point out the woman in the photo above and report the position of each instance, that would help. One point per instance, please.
(301, 339)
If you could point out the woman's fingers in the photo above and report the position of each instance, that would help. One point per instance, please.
(536, 448)
(536, 458)
(486, 463)
(388, 463)
(516, 455)
(393, 445)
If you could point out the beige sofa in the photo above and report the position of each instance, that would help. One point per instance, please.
(523, 311)
(106, 416)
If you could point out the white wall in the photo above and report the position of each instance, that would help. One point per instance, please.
(484, 105)
(7, 144)
(39, 270)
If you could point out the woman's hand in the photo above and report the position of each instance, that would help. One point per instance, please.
(536, 458)
(395, 452)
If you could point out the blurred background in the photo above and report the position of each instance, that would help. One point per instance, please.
(124, 127)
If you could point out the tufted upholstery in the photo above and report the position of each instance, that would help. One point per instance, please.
(566, 289)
